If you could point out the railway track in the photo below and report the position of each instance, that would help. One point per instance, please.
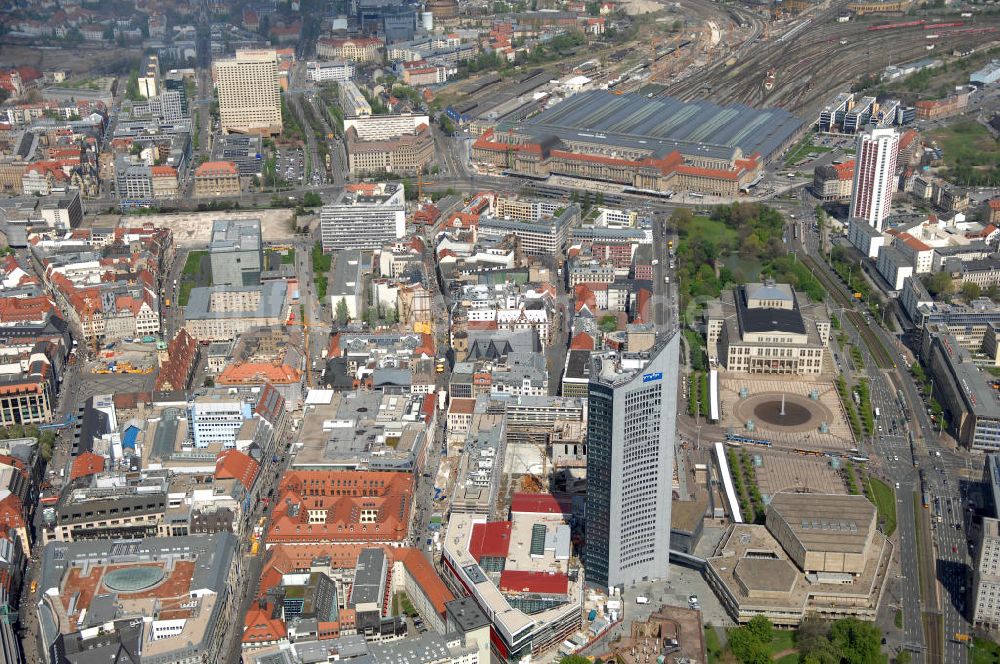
(811, 62)
(878, 352)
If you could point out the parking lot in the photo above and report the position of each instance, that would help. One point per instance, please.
(291, 165)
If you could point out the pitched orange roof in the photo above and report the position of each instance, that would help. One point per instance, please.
(260, 627)
(86, 464)
(423, 573)
(582, 341)
(342, 495)
(258, 372)
(235, 465)
(213, 168)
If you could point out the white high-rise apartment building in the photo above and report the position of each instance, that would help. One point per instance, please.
(249, 94)
(875, 175)
(987, 577)
(366, 216)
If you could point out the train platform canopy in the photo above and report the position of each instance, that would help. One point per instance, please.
(665, 124)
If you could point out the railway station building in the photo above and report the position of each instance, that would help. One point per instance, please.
(659, 144)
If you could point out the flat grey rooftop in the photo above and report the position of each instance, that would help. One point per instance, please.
(664, 124)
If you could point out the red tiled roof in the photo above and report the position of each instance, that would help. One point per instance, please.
(423, 573)
(845, 170)
(260, 627)
(534, 582)
(540, 503)
(216, 168)
(582, 341)
(342, 495)
(233, 464)
(994, 204)
(913, 243)
(490, 540)
(462, 406)
(86, 464)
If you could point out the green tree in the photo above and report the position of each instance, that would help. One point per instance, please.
(904, 657)
(747, 648)
(574, 659)
(857, 642)
(939, 283)
(677, 25)
(608, 324)
(447, 126)
(760, 626)
(312, 199)
(594, 8)
(681, 218)
(342, 313)
(970, 290)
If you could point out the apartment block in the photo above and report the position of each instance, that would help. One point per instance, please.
(249, 94)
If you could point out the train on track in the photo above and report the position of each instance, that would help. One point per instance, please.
(919, 23)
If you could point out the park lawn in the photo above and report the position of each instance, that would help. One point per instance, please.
(884, 498)
(723, 235)
(984, 652)
(784, 639)
(288, 257)
(967, 143)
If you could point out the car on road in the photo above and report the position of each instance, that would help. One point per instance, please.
(954, 549)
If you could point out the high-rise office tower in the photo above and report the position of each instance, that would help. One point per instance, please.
(249, 94)
(631, 422)
(875, 175)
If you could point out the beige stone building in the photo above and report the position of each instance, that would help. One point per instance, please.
(403, 154)
(164, 181)
(217, 178)
(768, 328)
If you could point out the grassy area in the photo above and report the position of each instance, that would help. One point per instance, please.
(288, 257)
(185, 293)
(401, 604)
(712, 644)
(321, 266)
(193, 263)
(781, 641)
(715, 229)
(984, 651)
(919, 527)
(193, 275)
(804, 148)
(971, 154)
(884, 498)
